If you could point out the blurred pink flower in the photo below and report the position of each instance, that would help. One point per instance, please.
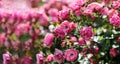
(7, 58)
(71, 55)
(53, 12)
(65, 24)
(104, 11)
(118, 39)
(50, 58)
(96, 50)
(78, 13)
(86, 33)
(95, 5)
(39, 58)
(60, 31)
(63, 14)
(43, 19)
(87, 12)
(2, 38)
(77, 4)
(26, 60)
(112, 12)
(113, 52)
(81, 41)
(58, 56)
(22, 28)
(116, 4)
(48, 39)
(115, 20)
(71, 26)
(74, 39)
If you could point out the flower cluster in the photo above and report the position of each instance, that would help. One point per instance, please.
(59, 31)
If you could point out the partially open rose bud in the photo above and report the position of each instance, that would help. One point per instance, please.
(118, 39)
(113, 52)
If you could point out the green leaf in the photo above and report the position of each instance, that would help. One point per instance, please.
(24, 38)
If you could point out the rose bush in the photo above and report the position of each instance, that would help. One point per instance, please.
(59, 32)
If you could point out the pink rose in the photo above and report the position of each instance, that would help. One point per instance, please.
(60, 31)
(96, 50)
(58, 56)
(74, 39)
(81, 41)
(115, 4)
(7, 58)
(39, 58)
(65, 24)
(26, 60)
(78, 13)
(104, 11)
(22, 28)
(112, 12)
(50, 58)
(48, 39)
(74, 6)
(95, 5)
(86, 33)
(88, 12)
(118, 39)
(63, 14)
(115, 20)
(77, 4)
(71, 55)
(68, 26)
(71, 26)
(15, 44)
(43, 19)
(113, 52)
(54, 14)
(2, 38)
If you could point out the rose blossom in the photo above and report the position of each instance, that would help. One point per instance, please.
(115, 20)
(7, 58)
(115, 4)
(88, 12)
(2, 38)
(26, 60)
(112, 12)
(71, 55)
(50, 58)
(43, 19)
(63, 14)
(77, 4)
(74, 39)
(60, 31)
(48, 40)
(95, 5)
(81, 41)
(104, 11)
(22, 28)
(118, 39)
(68, 26)
(71, 26)
(58, 56)
(113, 52)
(96, 50)
(54, 14)
(86, 32)
(39, 58)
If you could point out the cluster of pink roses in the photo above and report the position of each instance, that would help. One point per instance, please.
(57, 31)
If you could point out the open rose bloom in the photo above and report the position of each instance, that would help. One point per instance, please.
(59, 31)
